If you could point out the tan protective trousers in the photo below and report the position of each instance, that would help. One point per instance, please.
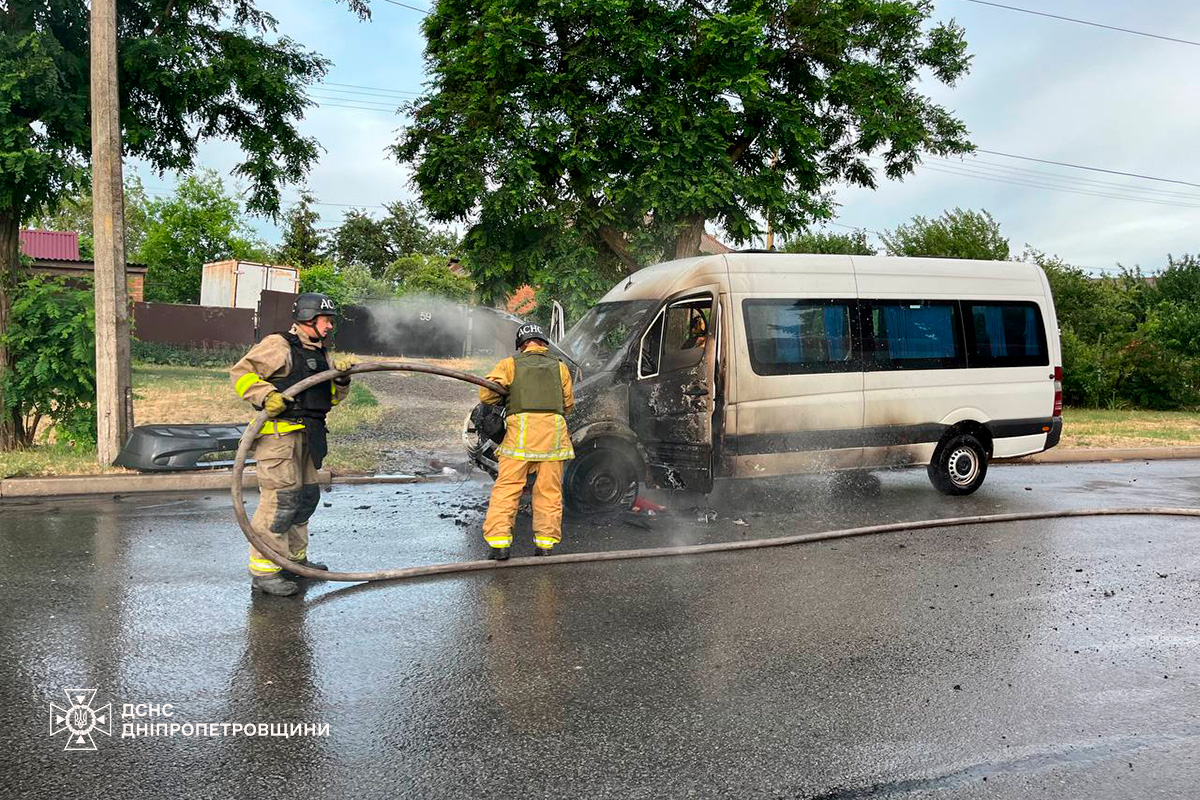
(506, 498)
(288, 493)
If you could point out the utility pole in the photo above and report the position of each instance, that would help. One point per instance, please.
(114, 396)
(770, 225)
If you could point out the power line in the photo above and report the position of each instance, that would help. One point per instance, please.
(356, 108)
(1092, 169)
(1005, 170)
(1082, 22)
(390, 106)
(373, 91)
(406, 5)
(1037, 185)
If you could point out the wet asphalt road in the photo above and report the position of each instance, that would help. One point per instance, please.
(1055, 659)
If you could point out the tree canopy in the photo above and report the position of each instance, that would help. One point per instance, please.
(955, 234)
(376, 243)
(302, 240)
(632, 124)
(850, 243)
(187, 72)
(200, 222)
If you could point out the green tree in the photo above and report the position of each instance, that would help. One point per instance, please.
(302, 241)
(376, 243)
(52, 339)
(199, 223)
(361, 240)
(853, 243)
(955, 234)
(428, 274)
(326, 279)
(186, 71)
(74, 213)
(633, 123)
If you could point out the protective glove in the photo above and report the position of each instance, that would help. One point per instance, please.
(343, 363)
(275, 404)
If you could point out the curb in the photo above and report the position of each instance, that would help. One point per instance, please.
(174, 482)
(220, 479)
(1099, 454)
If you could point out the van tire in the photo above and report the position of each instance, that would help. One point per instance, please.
(604, 479)
(959, 465)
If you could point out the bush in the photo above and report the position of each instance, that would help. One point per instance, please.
(180, 356)
(52, 337)
(326, 279)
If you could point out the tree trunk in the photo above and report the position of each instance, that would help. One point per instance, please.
(687, 241)
(10, 245)
(616, 242)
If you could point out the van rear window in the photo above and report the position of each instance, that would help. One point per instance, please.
(1005, 335)
(789, 337)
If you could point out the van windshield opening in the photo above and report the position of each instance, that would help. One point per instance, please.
(605, 331)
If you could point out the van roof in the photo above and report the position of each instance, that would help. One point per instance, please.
(882, 275)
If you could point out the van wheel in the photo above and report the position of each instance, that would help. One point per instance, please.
(602, 479)
(959, 465)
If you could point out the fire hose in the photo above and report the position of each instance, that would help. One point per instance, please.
(265, 547)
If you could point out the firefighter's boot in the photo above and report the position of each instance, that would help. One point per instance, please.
(274, 584)
(498, 554)
(541, 551)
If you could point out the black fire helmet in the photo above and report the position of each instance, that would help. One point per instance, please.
(311, 305)
(530, 331)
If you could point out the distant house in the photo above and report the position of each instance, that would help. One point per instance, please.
(711, 246)
(57, 253)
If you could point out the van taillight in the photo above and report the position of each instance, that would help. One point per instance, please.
(1057, 392)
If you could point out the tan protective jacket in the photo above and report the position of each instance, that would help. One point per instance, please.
(272, 358)
(532, 436)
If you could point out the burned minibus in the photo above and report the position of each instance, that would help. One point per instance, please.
(766, 364)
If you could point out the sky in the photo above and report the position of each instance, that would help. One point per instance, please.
(1038, 87)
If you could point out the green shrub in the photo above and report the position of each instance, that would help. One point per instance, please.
(52, 337)
(180, 356)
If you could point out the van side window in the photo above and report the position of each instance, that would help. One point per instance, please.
(686, 334)
(1001, 334)
(916, 334)
(790, 337)
(651, 350)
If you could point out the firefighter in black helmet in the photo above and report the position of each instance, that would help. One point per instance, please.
(292, 444)
(536, 440)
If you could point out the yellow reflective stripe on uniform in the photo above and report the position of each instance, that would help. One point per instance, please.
(298, 555)
(264, 565)
(282, 426)
(245, 382)
(544, 542)
(499, 541)
(562, 448)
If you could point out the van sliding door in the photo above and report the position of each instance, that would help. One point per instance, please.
(671, 397)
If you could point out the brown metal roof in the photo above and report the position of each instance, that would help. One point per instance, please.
(710, 245)
(50, 245)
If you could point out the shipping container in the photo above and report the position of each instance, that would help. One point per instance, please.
(238, 284)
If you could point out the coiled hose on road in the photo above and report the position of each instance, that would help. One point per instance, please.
(264, 547)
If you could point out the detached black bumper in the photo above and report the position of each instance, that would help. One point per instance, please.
(168, 448)
(1055, 432)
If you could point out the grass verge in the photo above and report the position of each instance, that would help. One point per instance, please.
(180, 394)
(1094, 428)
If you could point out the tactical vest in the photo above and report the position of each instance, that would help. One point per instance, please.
(314, 402)
(537, 384)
